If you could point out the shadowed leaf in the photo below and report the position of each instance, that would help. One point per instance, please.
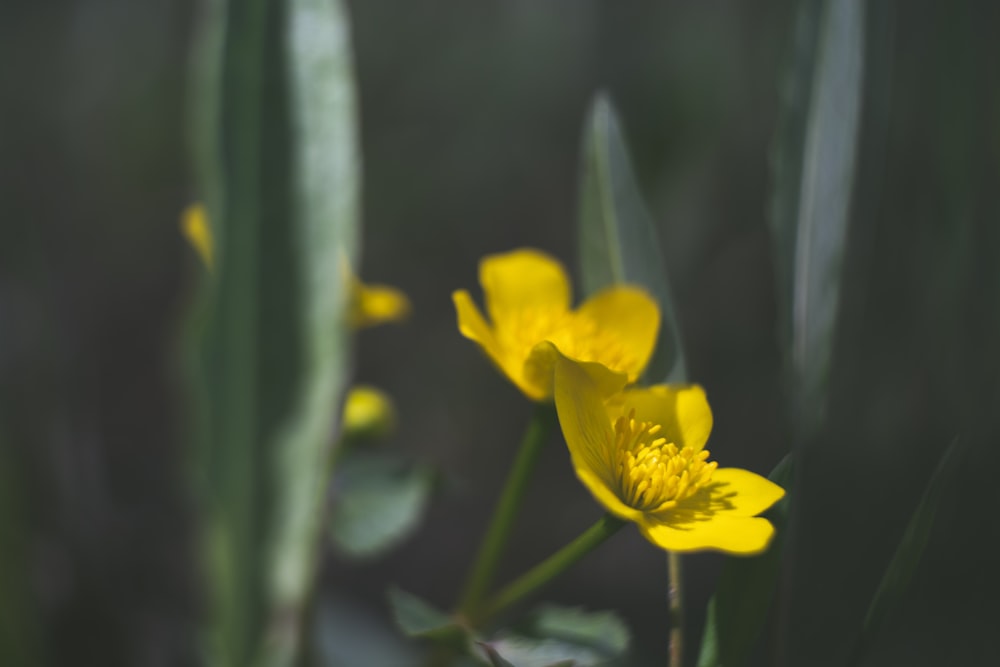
(378, 503)
(617, 237)
(898, 575)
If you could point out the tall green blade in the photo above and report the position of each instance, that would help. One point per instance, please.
(618, 241)
(278, 156)
(897, 576)
(813, 169)
(20, 634)
(823, 202)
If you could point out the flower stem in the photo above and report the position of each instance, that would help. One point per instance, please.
(555, 565)
(675, 596)
(481, 576)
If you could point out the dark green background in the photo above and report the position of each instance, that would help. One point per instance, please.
(471, 120)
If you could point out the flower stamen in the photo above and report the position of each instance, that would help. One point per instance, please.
(652, 474)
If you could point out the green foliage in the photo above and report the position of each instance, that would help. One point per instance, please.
(277, 152)
(555, 635)
(417, 618)
(814, 166)
(378, 503)
(896, 579)
(618, 240)
(738, 610)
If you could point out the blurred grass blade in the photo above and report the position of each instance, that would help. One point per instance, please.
(618, 242)
(905, 560)
(739, 608)
(19, 622)
(278, 155)
(811, 207)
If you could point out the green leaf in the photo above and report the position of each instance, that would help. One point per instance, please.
(554, 635)
(603, 630)
(378, 503)
(738, 609)
(349, 634)
(529, 652)
(618, 241)
(814, 167)
(278, 158)
(417, 618)
(898, 575)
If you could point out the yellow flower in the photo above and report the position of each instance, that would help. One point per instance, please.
(528, 298)
(369, 304)
(376, 304)
(368, 413)
(641, 454)
(195, 227)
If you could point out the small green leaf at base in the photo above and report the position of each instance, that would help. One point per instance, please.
(378, 503)
(417, 618)
(552, 636)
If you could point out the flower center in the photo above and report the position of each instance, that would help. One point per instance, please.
(653, 475)
(576, 336)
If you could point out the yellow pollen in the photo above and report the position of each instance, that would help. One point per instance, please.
(652, 474)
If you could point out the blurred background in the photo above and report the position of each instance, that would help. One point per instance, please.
(471, 117)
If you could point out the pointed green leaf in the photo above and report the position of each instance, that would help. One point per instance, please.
(618, 240)
(738, 609)
(814, 165)
(417, 618)
(278, 157)
(378, 503)
(898, 575)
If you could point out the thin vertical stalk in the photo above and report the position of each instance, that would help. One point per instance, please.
(484, 569)
(675, 597)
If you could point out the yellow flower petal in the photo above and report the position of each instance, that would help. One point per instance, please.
(539, 371)
(629, 315)
(579, 403)
(198, 232)
(377, 304)
(682, 411)
(522, 279)
(738, 535)
(745, 493)
(605, 496)
(472, 325)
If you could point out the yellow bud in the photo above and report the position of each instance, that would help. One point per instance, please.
(368, 414)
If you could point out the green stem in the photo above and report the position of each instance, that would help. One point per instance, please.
(555, 565)
(481, 576)
(675, 596)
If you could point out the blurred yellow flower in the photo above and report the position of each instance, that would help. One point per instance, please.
(641, 454)
(368, 413)
(376, 304)
(195, 227)
(528, 299)
(369, 304)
